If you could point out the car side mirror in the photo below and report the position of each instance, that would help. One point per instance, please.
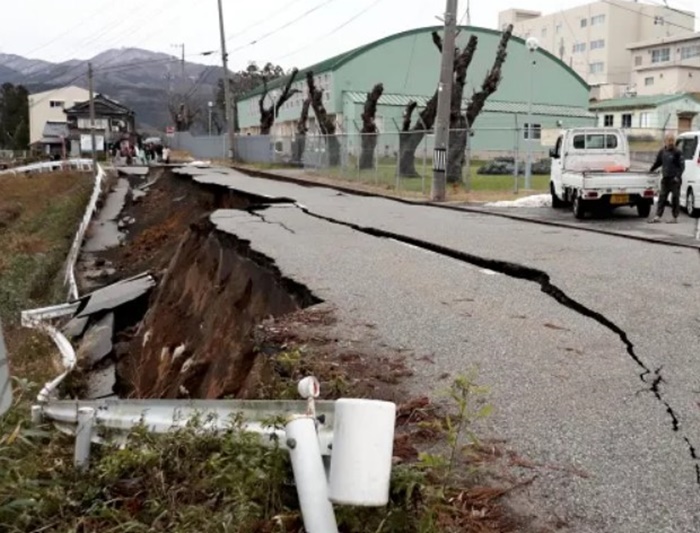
(553, 153)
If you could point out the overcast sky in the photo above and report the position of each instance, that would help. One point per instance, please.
(287, 32)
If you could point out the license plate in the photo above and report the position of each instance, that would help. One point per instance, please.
(617, 199)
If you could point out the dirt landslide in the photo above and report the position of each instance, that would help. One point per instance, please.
(224, 322)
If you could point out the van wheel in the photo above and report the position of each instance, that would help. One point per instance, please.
(579, 211)
(644, 209)
(690, 204)
(556, 202)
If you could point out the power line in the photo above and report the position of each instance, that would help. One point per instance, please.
(341, 26)
(663, 21)
(262, 20)
(284, 26)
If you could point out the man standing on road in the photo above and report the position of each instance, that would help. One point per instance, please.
(672, 166)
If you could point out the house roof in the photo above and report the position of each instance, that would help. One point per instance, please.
(335, 62)
(680, 38)
(637, 102)
(106, 105)
(55, 129)
(492, 106)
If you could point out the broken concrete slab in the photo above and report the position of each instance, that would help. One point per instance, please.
(115, 295)
(101, 383)
(104, 232)
(75, 327)
(97, 342)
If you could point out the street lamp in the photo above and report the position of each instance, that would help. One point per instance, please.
(532, 46)
(211, 107)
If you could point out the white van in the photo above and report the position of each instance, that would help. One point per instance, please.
(689, 145)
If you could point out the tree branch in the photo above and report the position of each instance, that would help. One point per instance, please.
(492, 80)
(288, 92)
(407, 115)
(370, 110)
(437, 40)
(302, 128)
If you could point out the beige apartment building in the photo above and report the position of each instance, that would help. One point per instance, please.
(47, 107)
(666, 66)
(593, 39)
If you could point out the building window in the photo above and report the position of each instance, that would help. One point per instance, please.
(56, 103)
(690, 51)
(536, 131)
(579, 47)
(595, 68)
(584, 23)
(660, 55)
(609, 120)
(544, 32)
(595, 141)
(627, 120)
(649, 81)
(597, 44)
(598, 19)
(637, 61)
(558, 27)
(644, 120)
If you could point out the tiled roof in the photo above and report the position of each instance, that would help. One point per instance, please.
(493, 106)
(636, 102)
(55, 129)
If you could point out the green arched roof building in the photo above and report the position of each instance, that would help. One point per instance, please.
(408, 65)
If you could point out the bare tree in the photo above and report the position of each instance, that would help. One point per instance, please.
(325, 124)
(302, 129)
(458, 123)
(183, 112)
(369, 127)
(462, 124)
(268, 114)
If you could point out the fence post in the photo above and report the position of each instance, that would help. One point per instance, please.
(86, 419)
(516, 170)
(468, 157)
(310, 476)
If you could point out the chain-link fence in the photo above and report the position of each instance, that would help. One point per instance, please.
(481, 159)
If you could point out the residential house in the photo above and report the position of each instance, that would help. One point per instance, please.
(650, 117)
(48, 106)
(114, 122)
(54, 140)
(667, 65)
(593, 38)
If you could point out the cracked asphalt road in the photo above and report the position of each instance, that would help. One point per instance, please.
(566, 391)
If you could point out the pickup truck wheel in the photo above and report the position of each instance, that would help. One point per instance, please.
(644, 209)
(556, 202)
(579, 211)
(690, 204)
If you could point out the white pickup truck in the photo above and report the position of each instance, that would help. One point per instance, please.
(590, 171)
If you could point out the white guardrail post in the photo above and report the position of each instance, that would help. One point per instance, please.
(83, 436)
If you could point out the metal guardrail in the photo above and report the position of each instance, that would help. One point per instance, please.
(51, 166)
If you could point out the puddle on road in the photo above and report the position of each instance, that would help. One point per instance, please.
(104, 231)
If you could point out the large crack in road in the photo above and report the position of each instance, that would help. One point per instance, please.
(522, 272)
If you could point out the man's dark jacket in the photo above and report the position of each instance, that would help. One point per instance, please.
(671, 162)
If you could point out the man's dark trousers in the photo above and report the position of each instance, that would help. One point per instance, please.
(672, 186)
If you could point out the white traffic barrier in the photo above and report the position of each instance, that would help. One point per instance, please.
(36, 319)
(363, 442)
(310, 476)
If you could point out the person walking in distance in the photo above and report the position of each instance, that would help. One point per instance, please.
(672, 166)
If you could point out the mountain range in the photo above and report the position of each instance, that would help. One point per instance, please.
(140, 79)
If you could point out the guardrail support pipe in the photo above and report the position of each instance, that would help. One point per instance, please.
(310, 476)
(86, 420)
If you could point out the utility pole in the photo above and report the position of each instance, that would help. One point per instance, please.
(92, 121)
(442, 122)
(227, 86)
(182, 58)
(469, 16)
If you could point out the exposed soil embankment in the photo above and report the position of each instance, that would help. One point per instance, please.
(196, 339)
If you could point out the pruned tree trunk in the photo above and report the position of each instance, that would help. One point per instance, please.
(302, 129)
(268, 114)
(325, 123)
(458, 124)
(411, 140)
(369, 127)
